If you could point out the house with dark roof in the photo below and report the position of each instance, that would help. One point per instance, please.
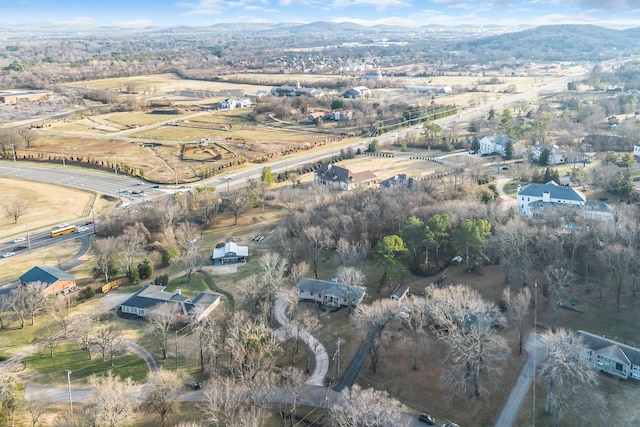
(230, 253)
(339, 178)
(56, 280)
(611, 356)
(330, 294)
(357, 92)
(151, 297)
(547, 193)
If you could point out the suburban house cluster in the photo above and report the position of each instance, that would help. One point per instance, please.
(296, 90)
(553, 201)
(232, 103)
(497, 144)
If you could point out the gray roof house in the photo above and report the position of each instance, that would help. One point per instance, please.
(150, 297)
(547, 193)
(231, 252)
(591, 210)
(330, 294)
(56, 280)
(611, 356)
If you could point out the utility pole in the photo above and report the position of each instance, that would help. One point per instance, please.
(13, 147)
(63, 164)
(338, 353)
(535, 347)
(93, 213)
(70, 401)
(115, 165)
(176, 351)
(28, 239)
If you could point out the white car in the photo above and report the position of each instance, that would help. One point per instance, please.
(81, 229)
(20, 240)
(8, 254)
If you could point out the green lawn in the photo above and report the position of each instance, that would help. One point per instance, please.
(44, 369)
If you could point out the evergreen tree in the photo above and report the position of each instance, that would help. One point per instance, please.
(508, 150)
(547, 176)
(475, 144)
(544, 157)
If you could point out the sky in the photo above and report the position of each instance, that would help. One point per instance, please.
(609, 13)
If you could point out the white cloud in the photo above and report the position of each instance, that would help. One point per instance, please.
(202, 7)
(378, 4)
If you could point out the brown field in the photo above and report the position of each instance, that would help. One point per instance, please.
(169, 83)
(48, 205)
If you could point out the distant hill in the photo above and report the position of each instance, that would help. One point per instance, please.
(555, 43)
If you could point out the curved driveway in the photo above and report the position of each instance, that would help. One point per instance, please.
(287, 331)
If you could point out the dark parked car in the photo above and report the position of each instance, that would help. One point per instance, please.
(88, 222)
(426, 418)
(20, 247)
(194, 385)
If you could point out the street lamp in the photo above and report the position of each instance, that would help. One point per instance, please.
(115, 164)
(175, 170)
(63, 164)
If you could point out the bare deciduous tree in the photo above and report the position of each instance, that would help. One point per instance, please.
(105, 249)
(112, 401)
(103, 335)
(130, 244)
(371, 320)
(16, 208)
(319, 240)
(165, 387)
(518, 304)
(560, 282)
(367, 407)
(161, 318)
(566, 372)
(227, 404)
(190, 262)
(474, 348)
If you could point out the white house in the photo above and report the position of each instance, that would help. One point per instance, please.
(555, 156)
(330, 294)
(498, 144)
(230, 253)
(547, 193)
(636, 151)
